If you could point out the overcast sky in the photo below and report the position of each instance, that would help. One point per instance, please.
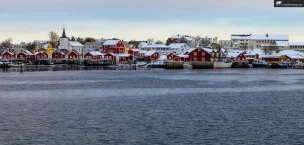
(27, 20)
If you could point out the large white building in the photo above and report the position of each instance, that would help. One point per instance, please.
(160, 48)
(178, 48)
(253, 41)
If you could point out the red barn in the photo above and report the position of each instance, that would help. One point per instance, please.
(201, 54)
(93, 55)
(125, 57)
(151, 55)
(25, 56)
(174, 57)
(40, 56)
(8, 55)
(57, 55)
(238, 56)
(110, 57)
(73, 55)
(133, 51)
(113, 46)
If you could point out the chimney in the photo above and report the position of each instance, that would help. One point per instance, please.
(267, 35)
(178, 35)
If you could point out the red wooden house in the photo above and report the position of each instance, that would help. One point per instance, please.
(58, 55)
(110, 57)
(25, 56)
(133, 51)
(238, 56)
(8, 55)
(113, 46)
(93, 55)
(151, 55)
(73, 55)
(201, 54)
(174, 57)
(125, 57)
(40, 56)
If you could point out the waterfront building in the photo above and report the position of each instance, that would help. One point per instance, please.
(73, 55)
(113, 46)
(177, 58)
(8, 54)
(160, 48)
(178, 48)
(253, 41)
(58, 55)
(93, 55)
(90, 46)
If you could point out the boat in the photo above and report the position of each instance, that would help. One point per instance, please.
(259, 63)
(273, 65)
(298, 65)
(286, 65)
(219, 65)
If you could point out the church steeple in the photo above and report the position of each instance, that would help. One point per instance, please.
(63, 34)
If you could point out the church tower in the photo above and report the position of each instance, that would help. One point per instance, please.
(63, 41)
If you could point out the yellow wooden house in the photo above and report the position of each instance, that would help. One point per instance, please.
(127, 47)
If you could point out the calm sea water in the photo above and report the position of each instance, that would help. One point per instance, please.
(237, 106)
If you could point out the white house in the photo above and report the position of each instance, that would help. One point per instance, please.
(91, 46)
(160, 48)
(298, 46)
(225, 43)
(75, 45)
(178, 48)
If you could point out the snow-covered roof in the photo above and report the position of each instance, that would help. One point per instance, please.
(255, 52)
(142, 52)
(292, 53)
(178, 36)
(190, 50)
(189, 38)
(178, 45)
(296, 43)
(110, 42)
(28, 52)
(261, 37)
(75, 44)
(162, 57)
(11, 53)
(207, 50)
(45, 46)
(282, 43)
(124, 55)
(149, 53)
(96, 53)
(143, 44)
(156, 46)
(269, 37)
(184, 56)
(135, 50)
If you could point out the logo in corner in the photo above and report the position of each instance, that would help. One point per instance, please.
(278, 3)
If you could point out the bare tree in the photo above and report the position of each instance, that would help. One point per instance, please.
(197, 39)
(31, 46)
(7, 43)
(268, 49)
(150, 40)
(159, 42)
(54, 38)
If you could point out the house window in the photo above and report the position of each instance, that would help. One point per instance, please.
(195, 53)
(194, 59)
(203, 53)
(170, 57)
(203, 59)
(257, 46)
